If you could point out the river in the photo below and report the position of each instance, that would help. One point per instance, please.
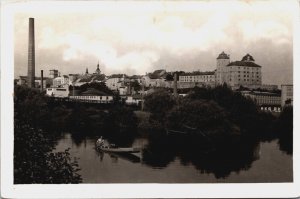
(256, 162)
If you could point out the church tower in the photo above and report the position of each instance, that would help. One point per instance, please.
(98, 69)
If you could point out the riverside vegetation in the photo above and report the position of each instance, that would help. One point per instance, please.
(225, 117)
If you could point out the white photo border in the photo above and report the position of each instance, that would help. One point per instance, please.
(226, 190)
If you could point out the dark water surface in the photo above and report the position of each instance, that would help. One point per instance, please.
(258, 162)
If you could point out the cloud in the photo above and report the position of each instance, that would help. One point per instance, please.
(139, 38)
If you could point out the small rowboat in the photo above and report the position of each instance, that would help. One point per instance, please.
(120, 150)
(104, 146)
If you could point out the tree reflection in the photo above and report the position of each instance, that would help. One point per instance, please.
(219, 158)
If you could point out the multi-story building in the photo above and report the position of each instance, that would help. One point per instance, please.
(263, 98)
(286, 94)
(238, 73)
(155, 79)
(61, 80)
(115, 81)
(207, 78)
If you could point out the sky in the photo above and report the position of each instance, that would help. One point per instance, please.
(140, 37)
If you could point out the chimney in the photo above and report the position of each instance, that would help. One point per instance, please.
(31, 55)
(175, 85)
(42, 80)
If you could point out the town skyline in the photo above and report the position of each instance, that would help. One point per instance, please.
(160, 38)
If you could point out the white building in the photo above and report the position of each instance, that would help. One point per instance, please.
(238, 73)
(155, 79)
(61, 81)
(263, 98)
(92, 95)
(58, 91)
(207, 78)
(286, 94)
(134, 100)
(114, 81)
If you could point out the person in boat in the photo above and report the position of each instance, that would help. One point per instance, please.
(100, 141)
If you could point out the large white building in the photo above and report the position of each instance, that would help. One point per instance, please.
(238, 73)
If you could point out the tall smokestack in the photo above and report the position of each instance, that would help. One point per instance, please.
(31, 55)
(175, 85)
(42, 80)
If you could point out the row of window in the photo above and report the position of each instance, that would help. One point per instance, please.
(92, 97)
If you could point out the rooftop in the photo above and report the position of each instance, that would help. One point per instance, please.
(199, 73)
(223, 56)
(247, 58)
(244, 63)
(93, 92)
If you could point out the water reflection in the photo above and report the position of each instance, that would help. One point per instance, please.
(181, 159)
(115, 156)
(220, 159)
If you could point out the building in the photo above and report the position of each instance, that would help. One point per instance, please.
(114, 82)
(98, 71)
(286, 95)
(23, 81)
(58, 91)
(60, 81)
(134, 100)
(265, 100)
(221, 73)
(244, 73)
(53, 73)
(92, 95)
(155, 79)
(206, 78)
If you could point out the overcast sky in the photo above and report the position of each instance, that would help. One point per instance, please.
(139, 37)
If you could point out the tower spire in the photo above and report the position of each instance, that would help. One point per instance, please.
(98, 69)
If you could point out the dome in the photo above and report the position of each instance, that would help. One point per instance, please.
(223, 56)
(248, 58)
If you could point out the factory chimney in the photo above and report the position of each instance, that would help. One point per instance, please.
(31, 55)
(175, 85)
(42, 80)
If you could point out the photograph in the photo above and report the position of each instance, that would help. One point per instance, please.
(139, 92)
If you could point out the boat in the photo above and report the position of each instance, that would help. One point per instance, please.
(120, 149)
(105, 146)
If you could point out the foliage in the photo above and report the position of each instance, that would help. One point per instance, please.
(241, 110)
(135, 85)
(169, 77)
(35, 163)
(284, 126)
(202, 115)
(158, 103)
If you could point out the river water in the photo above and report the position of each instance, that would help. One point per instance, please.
(166, 163)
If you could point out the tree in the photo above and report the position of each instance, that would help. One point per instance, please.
(158, 103)
(169, 77)
(205, 116)
(34, 161)
(135, 85)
